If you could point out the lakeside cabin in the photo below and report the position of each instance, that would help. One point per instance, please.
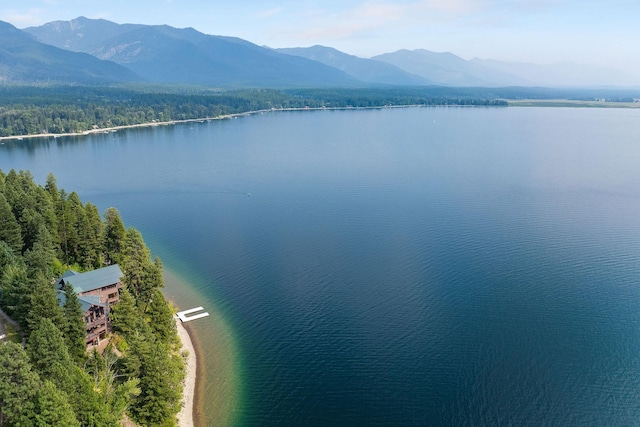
(97, 291)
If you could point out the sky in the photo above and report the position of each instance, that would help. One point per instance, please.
(604, 33)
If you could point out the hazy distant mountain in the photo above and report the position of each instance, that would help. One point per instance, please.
(448, 69)
(561, 74)
(25, 60)
(80, 34)
(367, 70)
(165, 54)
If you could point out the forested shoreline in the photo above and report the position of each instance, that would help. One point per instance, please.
(52, 380)
(69, 109)
(37, 110)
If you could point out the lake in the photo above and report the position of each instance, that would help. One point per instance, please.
(394, 267)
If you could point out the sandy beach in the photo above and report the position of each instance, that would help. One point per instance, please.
(185, 416)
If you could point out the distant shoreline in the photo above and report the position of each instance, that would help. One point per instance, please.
(570, 103)
(511, 103)
(117, 128)
(98, 131)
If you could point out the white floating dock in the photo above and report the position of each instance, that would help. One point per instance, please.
(182, 315)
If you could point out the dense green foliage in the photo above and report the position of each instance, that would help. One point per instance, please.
(52, 381)
(28, 111)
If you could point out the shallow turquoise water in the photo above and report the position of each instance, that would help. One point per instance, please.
(427, 266)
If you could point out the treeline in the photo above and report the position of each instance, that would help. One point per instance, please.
(381, 97)
(29, 111)
(51, 381)
(26, 110)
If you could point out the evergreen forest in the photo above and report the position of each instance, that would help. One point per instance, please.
(28, 110)
(47, 377)
(32, 110)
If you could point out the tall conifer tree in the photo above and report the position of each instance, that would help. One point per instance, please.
(9, 227)
(114, 233)
(74, 330)
(50, 358)
(16, 292)
(44, 304)
(19, 385)
(95, 235)
(53, 408)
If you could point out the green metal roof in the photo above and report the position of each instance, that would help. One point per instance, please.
(91, 280)
(86, 302)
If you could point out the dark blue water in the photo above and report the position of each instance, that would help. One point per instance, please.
(434, 266)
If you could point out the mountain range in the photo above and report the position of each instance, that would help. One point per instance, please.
(366, 70)
(163, 54)
(24, 60)
(96, 51)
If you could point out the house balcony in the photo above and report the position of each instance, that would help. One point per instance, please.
(94, 336)
(102, 321)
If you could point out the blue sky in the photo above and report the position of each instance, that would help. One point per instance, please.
(604, 33)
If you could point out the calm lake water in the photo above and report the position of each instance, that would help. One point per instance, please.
(401, 267)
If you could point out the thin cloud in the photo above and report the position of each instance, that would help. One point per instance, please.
(321, 24)
(374, 16)
(269, 13)
(451, 8)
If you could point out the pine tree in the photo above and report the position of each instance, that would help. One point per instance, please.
(22, 195)
(75, 222)
(74, 330)
(48, 352)
(94, 235)
(41, 257)
(43, 303)
(52, 187)
(9, 262)
(3, 177)
(50, 209)
(19, 385)
(53, 408)
(141, 275)
(50, 358)
(124, 315)
(20, 191)
(30, 223)
(161, 317)
(161, 376)
(114, 233)
(63, 225)
(45, 206)
(9, 227)
(15, 292)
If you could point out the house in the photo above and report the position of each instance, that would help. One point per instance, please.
(97, 291)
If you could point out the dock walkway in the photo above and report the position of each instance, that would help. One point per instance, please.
(182, 315)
